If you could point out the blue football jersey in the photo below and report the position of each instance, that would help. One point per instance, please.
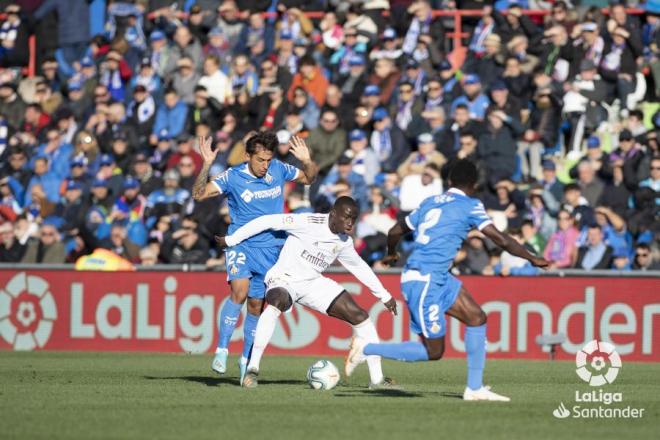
(440, 225)
(250, 197)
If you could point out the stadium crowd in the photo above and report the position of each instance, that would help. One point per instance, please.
(559, 111)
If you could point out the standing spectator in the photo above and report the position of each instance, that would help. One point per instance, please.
(14, 35)
(72, 24)
(231, 25)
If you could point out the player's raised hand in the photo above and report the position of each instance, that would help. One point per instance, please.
(389, 260)
(299, 149)
(206, 149)
(221, 240)
(391, 306)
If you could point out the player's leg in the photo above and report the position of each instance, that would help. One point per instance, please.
(426, 320)
(255, 303)
(278, 301)
(466, 310)
(229, 315)
(345, 308)
(260, 261)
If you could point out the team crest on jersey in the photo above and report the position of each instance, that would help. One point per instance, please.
(233, 270)
(288, 220)
(268, 178)
(435, 327)
(247, 195)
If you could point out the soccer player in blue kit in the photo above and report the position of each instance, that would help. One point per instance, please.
(253, 188)
(440, 225)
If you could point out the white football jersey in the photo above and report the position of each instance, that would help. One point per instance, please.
(310, 249)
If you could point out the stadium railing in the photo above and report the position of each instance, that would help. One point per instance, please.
(202, 268)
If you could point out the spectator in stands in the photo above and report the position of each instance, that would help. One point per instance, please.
(186, 78)
(47, 249)
(562, 244)
(170, 117)
(590, 184)
(119, 243)
(11, 250)
(577, 205)
(327, 142)
(12, 106)
(387, 141)
(417, 187)
(497, 147)
(596, 157)
(309, 77)
(595, 254)
(185, 246)
(364, 161)
(476, 101)
(632, 158)
(644, 259)
(541, 133)
(425, 154)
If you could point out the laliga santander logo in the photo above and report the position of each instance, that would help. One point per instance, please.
(27, 312)
(597, 363)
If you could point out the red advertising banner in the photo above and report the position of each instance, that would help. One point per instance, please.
(178, 312)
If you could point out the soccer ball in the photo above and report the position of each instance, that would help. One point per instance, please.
(323, 375)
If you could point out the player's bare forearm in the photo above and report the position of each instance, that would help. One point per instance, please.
(309, 172)
(199, 187)
(394, 236)
(509, 244)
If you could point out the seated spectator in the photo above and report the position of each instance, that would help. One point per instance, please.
(417, 187)
(644, 259)
(309, 77)
(215, 82)
(473, 257)
(119, 243)
(577, 205)
(170, 117)
(425, 154)
(167, 201)
(632, 158)
(562, 243)
(388, 141)
(364, 160)
(497, 146)
(591, 187)
(621, 260)
(47, 248)
(11, 250)
(476, 101)
(511, 265)
(595, 254)
(185, 246)
(342, 177)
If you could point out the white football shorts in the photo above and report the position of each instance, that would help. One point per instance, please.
(317, 294)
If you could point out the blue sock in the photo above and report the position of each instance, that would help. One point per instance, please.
(475, 347)
(249, 329)
(228, 318)
(404, 351)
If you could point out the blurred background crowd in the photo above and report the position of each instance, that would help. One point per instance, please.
(556, 103)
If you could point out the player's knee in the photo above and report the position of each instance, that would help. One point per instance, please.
(477, 319)
(435, 353)
(358, 316)
(279, 298)
(254, 306)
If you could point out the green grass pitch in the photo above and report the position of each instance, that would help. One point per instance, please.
(144, 396)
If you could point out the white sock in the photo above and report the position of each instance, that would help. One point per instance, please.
(265, 329)
(367, 331)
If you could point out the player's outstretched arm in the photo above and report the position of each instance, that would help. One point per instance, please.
(276, 222)
(300, 151)
(202, 188)
(393, 237)
(506, 242)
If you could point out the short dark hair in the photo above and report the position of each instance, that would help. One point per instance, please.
(463, 174)
(461, 106)
(345, 201)
(644, 246)
(266, 140)
(306, 60)
(572, 187)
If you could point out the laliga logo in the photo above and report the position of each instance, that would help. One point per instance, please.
(597, 363)
(27, 312)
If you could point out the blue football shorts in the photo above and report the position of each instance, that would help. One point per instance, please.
(428, 300)
(246, 261)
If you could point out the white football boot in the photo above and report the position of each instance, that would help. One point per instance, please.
(219, 364)
(355, 355)
(483, 393)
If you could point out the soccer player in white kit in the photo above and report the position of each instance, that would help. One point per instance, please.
(314, 242)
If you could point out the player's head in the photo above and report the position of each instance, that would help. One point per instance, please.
(343, 215)
(259, 152)
(463, 175)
